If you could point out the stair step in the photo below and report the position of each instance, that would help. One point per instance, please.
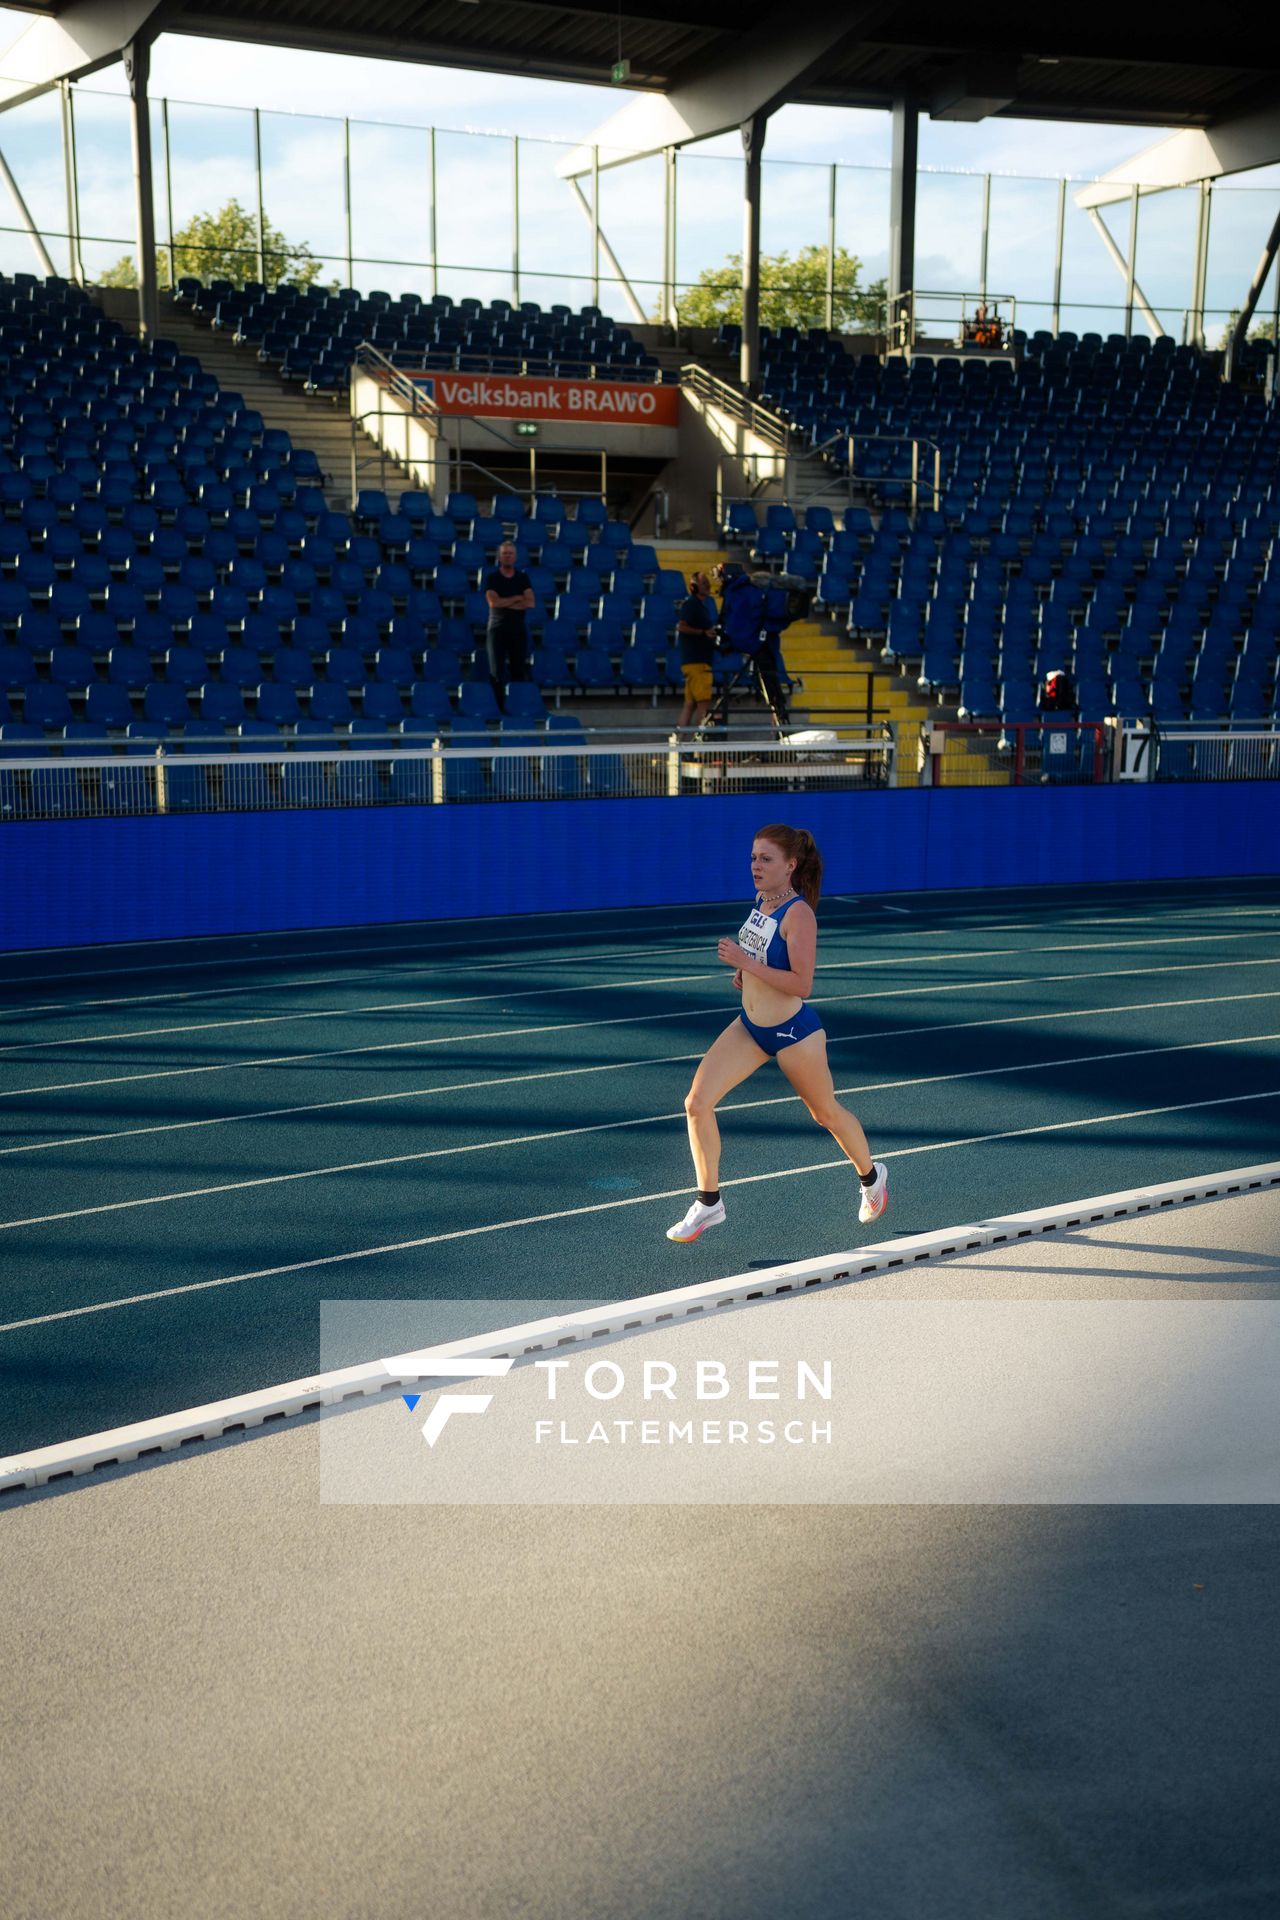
(321, 426)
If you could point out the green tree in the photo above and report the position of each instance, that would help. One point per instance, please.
(224, 246)
(793, 293)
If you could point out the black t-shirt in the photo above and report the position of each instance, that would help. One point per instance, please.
(697, 649)
(508, 621)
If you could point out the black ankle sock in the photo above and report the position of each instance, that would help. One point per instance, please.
(869, 1179)
(709, 1196)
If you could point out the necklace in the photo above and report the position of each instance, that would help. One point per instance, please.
(776, 899)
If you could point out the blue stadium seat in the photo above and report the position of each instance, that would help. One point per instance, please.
(593, 668)
(108, 707)
(383, 703)
(71, 667)
(428, 707)
(165, 706)
(330, 704)
(185, 668)
(476, 702)
(344, 667)
(521, 700)
(278, 704)
(292, 667)
(221, 706)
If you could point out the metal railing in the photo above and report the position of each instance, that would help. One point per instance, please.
(100, 784)
(958, 314)
(712, 392)
(858, 758)
(396, 381)
(900, 440)
(1052, 751)
(986, 753)
(1198, 753)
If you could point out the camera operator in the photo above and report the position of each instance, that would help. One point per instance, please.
(747, 627)
(696, 624)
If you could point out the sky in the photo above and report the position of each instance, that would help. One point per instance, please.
(303, 97)
(219, 72)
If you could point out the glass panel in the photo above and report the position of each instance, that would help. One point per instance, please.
(1021, 244)
(302, 187)
(555, 232)
(211, 165)
(794, 200)
(862, 224)
(708, 233)
(474, 186)
(32, 143)
(104, 166)
(632, 198)
(1092, 287)
(1238, 229)
(391, 209)
(1166, 256)
(948, 247)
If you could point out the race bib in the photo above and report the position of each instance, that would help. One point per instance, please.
(754, 935)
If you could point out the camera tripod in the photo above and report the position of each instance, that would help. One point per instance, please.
(751, 675)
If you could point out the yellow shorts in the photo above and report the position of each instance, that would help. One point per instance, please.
(697, 682)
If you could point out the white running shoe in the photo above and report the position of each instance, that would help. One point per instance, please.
(697, 1220)
(875, 1198)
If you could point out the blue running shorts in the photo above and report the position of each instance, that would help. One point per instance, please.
(772, 1040)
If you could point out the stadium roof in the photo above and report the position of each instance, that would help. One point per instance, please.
(1120, 63)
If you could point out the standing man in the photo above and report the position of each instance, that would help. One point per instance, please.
(509, 592)
(695, 624)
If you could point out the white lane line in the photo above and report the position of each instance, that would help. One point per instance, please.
(611, 1066)
(887, 909)
(619, 956)
(351, 976)
(622, 1020)
(608, 1206)
(39, 1047)
(604, 1126)
(456, 937)
(256, 949)
(387, 1006)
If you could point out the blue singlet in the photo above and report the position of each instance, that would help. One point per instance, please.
(760, 940)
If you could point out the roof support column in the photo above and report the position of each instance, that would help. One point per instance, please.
(137, 67)
(902, 220)
(72, 184)
(753, 132)
(1200, 268)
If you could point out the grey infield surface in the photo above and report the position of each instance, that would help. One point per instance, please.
(223, 1698)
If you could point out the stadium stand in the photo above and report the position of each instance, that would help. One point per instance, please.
(1109, 508)
(161, 550)
(309, 334)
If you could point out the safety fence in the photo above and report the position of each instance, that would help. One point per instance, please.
(127, 779)
(986, 753)
(373, 204)
(979, 753)
(1194, 753)
(106, 783)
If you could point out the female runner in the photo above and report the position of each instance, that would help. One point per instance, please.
(774, 957)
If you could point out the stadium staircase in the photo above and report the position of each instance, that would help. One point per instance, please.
(317, 421)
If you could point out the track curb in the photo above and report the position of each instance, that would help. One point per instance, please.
(374, 1380)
